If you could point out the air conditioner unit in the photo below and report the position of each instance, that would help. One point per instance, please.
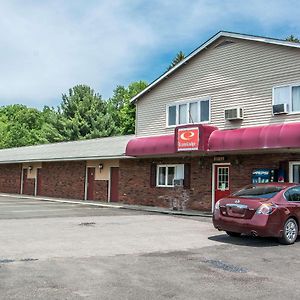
(279, 109)
(235, 113)
(178, 182)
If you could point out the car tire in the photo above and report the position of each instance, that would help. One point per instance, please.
(290, 232)
(233, 234)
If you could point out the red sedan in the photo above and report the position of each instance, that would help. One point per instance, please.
(264, 210)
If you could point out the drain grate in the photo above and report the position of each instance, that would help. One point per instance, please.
(87, 224)
(218, 264)
(29, 259)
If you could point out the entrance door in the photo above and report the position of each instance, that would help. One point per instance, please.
(24, 188)
(38, 182)
(221, 181)
(90, 183)
(114, 184)
(294, 171)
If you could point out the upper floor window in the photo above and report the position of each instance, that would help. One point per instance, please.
(188, 112)
(288, 94)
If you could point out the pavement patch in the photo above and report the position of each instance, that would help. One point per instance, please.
(6, 261)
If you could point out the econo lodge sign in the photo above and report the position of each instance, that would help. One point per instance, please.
(188, 139)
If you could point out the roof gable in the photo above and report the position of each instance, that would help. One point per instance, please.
(206, 45)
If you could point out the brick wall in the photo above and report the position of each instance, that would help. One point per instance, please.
(101, 190)
(135, 179)
(63, 179)
(135, 184)
(10, 178)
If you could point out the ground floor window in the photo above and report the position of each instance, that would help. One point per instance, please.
(166, 174)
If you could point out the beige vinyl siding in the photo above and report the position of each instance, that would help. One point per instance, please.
(239, 74)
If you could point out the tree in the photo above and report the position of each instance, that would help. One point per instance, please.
(82, 114)
(292, 38)
(122, 110)
(177, 59)
(22, 126)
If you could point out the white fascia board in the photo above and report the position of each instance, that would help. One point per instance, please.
(65, 159)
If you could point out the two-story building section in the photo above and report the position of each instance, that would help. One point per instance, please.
(226, 116)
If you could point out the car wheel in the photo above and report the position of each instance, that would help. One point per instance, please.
(290, 232)
(234, 234)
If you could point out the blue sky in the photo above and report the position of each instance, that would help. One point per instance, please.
(51, 45)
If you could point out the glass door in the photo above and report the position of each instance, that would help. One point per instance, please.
(294, 172)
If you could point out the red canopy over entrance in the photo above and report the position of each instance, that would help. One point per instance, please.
(274, 136)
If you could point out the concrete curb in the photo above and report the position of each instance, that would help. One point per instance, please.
(118, 206)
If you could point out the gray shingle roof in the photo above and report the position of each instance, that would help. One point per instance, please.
(101, 148)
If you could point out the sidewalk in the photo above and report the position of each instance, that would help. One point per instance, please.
(194, 213)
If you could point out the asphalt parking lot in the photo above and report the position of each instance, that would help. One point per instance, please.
(68, 251)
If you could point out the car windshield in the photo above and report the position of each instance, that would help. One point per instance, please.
(254, 191)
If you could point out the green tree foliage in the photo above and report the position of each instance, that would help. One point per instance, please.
(83, 115)
(292, 38)
(177, 59)
(21, 126)
(122, 110)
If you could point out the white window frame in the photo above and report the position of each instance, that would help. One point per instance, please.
(167, 166)
(228, 178)
(290, 86)
(291, 173)
(177, 103)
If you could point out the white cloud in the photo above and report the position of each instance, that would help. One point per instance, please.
(49, 46)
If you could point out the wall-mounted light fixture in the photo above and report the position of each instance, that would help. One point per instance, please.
(236, 162)
(30, 168)
(101, 167)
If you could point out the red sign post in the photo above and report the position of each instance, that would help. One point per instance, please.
(188, 139)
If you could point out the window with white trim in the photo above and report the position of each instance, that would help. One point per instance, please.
(288, 94)
(188, 112)
(166, 174)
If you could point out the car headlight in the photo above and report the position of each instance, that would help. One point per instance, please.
(217, 205)
(266, 209)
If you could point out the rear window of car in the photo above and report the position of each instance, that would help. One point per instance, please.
(254, 191)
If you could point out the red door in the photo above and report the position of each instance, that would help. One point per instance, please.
(24, 188)
(222, 181)
(90, 183)
(114, 184)
(38, 182)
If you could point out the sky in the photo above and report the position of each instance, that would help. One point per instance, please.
(49, 46)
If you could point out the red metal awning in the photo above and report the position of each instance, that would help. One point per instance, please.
(274, 136)
(153, 145)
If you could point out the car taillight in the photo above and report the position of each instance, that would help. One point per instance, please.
(266, 209)
(217, 205)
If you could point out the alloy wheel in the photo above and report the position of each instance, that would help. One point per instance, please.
(290, 229)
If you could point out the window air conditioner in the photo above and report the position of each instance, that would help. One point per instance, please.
(279, 109)
(178, 182)
(235, 113)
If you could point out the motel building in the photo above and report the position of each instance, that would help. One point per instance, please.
(226, 116)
